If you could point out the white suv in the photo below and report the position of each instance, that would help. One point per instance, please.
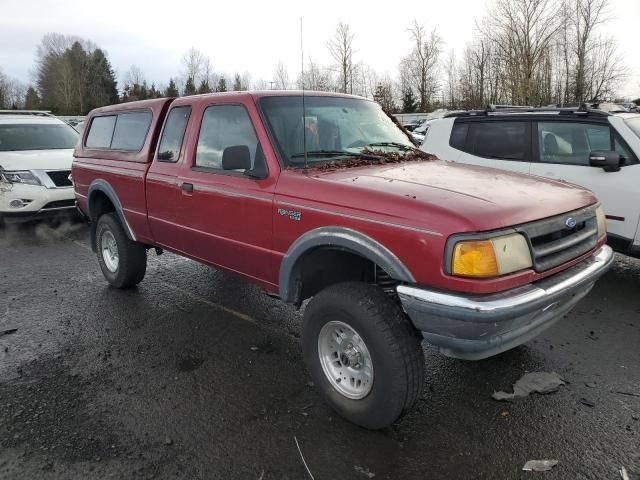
(587, 147)
(36, 152)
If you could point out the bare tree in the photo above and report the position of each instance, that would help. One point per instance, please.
(421, 64)
(340, 47)
(588, 14)
(606, 72)
(451, 71)
(196, 65)
(281, 77)
(134, 76)
(521, 32)
(12, 92)
(315, 77)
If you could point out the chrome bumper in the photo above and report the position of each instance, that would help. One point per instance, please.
(476, 327)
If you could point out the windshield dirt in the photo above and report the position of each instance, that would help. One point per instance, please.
(336, 129)
(36, 137)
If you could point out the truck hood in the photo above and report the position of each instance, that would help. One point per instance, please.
(59, 159)
(480, 198)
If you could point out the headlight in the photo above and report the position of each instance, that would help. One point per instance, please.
(602, 222)
(25, 177)
(490, 258)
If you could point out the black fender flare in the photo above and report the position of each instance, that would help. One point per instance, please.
(100, 185)
(344, 239)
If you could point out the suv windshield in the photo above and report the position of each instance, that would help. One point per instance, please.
(335, 128)
(634, 124)
(36, 137)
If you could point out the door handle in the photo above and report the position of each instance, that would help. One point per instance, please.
(187, 187)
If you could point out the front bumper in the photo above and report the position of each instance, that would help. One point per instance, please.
(39, 202)
(477, 327)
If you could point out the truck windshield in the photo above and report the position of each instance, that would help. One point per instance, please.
(634, 124)
(335, 128)
(15, 137)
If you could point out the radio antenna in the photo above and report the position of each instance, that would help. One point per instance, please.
(304, 114)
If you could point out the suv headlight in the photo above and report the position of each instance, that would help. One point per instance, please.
(602, 222)
(492, 257)
(25, 177)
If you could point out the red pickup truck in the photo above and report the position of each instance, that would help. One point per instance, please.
(323, 197)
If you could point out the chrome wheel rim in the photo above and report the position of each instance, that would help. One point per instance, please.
(109, 249)
(345, 360)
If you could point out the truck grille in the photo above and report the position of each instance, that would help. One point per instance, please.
(554, 241)
(60, 178)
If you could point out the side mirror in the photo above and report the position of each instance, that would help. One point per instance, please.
(236, 158)
(609, 161)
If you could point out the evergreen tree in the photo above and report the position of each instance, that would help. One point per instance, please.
(32, 100)
(409, 101)
(237, 84)
(204, 86)
(384, 97)
(189, 87)
(222, 85)
(171, 90)
(153, 92)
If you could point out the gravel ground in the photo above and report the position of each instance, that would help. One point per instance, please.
(196, 374)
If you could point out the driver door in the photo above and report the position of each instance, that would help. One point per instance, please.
(226, 214)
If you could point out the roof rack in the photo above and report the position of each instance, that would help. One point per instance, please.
(582, 109)
(39, 113)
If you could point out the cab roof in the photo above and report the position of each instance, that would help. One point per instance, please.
(253, 94)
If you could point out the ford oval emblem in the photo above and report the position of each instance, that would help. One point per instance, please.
(570, 223)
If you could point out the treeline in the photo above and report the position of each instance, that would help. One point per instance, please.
(523, 52)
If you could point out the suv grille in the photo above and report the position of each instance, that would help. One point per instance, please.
(553, 242)
(60, 178)
(60, 204)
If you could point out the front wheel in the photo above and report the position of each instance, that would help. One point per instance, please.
(363, 354)
(123, 262)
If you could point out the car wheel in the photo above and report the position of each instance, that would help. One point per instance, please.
(122, 261)
(363, 354)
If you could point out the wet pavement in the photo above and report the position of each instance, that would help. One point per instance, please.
(196, 374)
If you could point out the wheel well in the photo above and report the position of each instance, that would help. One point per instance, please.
(99, 204)
(322, 267)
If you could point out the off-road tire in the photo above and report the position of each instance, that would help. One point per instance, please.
(393, 343)
(132, 262)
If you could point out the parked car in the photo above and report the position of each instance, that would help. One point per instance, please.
(597, 150)
(389, 244)
(36, 151)
(413, 124)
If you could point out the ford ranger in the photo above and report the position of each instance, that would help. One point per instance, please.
(322, 197)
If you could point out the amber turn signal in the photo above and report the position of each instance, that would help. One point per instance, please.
(475, 259)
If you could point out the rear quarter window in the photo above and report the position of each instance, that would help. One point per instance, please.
(125, 131)
(459, 135)
(101, 132)
(500, 140)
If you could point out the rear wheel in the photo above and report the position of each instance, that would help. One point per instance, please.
(123, 262)
(363, 354)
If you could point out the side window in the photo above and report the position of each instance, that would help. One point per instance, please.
(173, 134)
(100, 132)
(224, 126)
(458, 135)
(501, 140)
(571, 142)
(131, 131)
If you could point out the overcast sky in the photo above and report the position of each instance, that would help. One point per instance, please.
(253, 36)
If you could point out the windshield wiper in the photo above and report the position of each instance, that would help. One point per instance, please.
(401, 146)
(335, 153)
